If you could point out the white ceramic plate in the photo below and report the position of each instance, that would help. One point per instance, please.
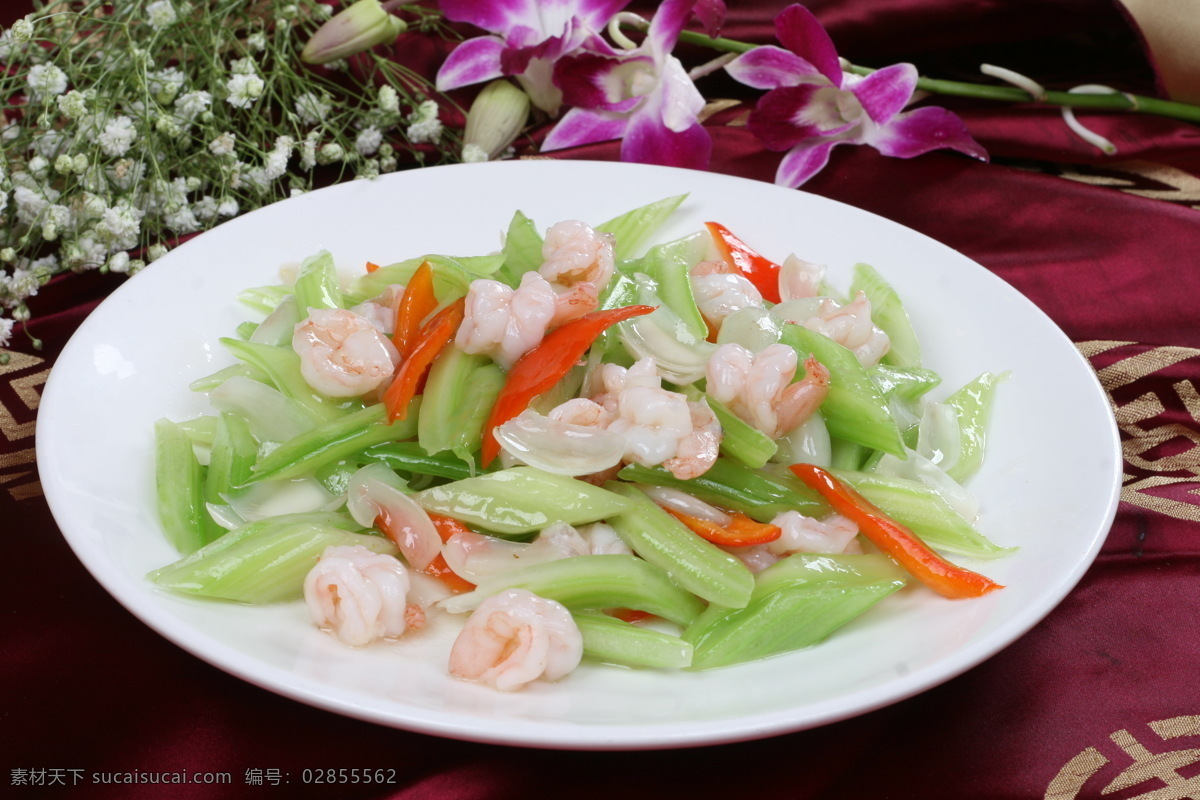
(1049, 484)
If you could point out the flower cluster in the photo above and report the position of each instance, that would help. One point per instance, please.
(127, 126)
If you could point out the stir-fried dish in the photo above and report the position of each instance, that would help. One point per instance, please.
(582, 447)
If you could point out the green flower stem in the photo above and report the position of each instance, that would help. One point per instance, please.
(1117, 101)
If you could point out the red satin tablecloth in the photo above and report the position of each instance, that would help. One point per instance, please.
(1101, 699)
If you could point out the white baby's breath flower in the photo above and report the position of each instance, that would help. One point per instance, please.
(181, 220)
(45, 81)
(191, 105)
(313, 108)
(368, 141)
(38, 166)
(473, 153)
(205, 208)
(423, 124)
(6, 327)
(64, 165)
(118, 135)
(223, 144)
(243, 66)
(164, 84)
(73, 104)
(121, 225)
(277, 159)
(228, 207)
(242, 90)
(118, 262)
(308, 150)
(330, 152)
(22, 30)
(30, 203)
(389, 100)
(257, 41)
(156, 251)
(161, 14)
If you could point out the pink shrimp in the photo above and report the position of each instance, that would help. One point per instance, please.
(514, 638)
(343, 354)
(719, 291)
(360, 595)
(573, 252)
(758, 387)
(851, 326)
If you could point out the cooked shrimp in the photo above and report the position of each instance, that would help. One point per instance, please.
(698, 450)
(516, 637)
(801, 534)
(343, 354)
(602, 539)
(573, 253)
(758, 387)
(850, 326)
(506, 323)
(799, 278)
(359, 595)
(720, 291)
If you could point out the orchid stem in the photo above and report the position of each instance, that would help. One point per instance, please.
(1117, 101)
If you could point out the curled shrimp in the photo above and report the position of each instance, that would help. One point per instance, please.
(758, 387)
(514, 638)
(503, 322)
(799, 278)
(851, 326)
(801, 534)
(360, 595)
(343, 354)
(719, 291)
(698, 450)
(574, 252)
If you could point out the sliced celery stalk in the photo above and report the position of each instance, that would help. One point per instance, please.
(593, 582)
(921, 509)
(282, 367)
(522, 250)
(847, 455)
(906, 383)
(823, 568)
(412, 457)
(243, 370)
(317, 284)
(200, 431)
(784, 620)
(264, 298)
(854, 409)
(616, 642)
(736, 487)
(973, 402)
(230, 464)
(693, 563)
(179, 484)
(740, 440)
(888, 314)
(634, 228)
(459, 394)
(264, 563)
(333, 441)
(521, 500)
(668, 266)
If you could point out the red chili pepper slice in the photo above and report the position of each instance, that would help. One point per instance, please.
(895, 539)
(740, 532)
(447, 527)
(415, 304)
(430, 341)
(758, 269)
(371, 266)
(546, 364)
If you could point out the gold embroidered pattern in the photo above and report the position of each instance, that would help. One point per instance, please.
(1161, 774)
(1159, 420)
(21, 380)
(1141, 178)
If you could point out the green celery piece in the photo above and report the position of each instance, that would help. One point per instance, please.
(821, 568)
(200, 431)
(264, 563)
(614, 641)
(522, 250)
(179, 487)
(594, 582)
(451, 399)
(854, 409)
(694, 563)
(521, 500)
(906, 383)
(334, 440)
(451, 278)
(634, 228)
(922, 510)
(668, 266)
(282, 366)
(740, 440)
(888, 314)
(782, 621)
(973, 402)
(411, 457)
(246, 329)
(210, 382)
(317, 284)
(847, 455)
(230, 463)
(736, 487)
(264, 298)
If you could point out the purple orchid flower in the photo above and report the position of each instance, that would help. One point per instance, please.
(813, 106)
(529, 36)
(641, 95)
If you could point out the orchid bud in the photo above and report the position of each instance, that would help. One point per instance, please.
(496, 117)
(356, 28)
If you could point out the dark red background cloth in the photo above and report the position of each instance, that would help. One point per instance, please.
(1104, 685)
